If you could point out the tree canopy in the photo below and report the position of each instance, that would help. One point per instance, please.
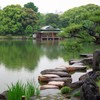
(14, 20)
(32, 6)
(81, 21)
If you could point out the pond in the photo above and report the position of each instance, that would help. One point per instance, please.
(24, 60)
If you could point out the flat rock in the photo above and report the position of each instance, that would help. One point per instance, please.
(75, 61)
(86, 55)
(78, 64)
(62, 74)
(50, 76)
(53, 70)
(42, 87)
(47, 79)
(56, 83)
(71, 69)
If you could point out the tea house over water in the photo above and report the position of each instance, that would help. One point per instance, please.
(48, 33)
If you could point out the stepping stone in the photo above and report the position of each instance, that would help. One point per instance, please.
(48, 87)
(53, 70)
(71, 69)
(47, 79)
(86, 55)
(50, 75)
(62, 74)
(56, 83)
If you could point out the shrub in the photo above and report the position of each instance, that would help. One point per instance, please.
(65, 90)
(77, 94)
(15, 92)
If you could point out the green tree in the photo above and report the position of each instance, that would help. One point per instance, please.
(82, 22)
(14, 19)
(52, 19)
(29, 30)
(32, 6)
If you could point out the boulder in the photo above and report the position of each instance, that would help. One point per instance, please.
(83, 77)
(48, 87)
(89, 90)
(56, 83)
(96, 60)
(77, 84)
(92, 74)
(74, 85)
(62, 74)
(3, 96)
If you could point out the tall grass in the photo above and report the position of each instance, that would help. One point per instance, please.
(18, 90)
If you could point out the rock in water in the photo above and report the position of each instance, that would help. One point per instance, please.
(62, 74)
(89, 90)
(72, 69)
(47, 79)
(86, 55)
(53, 70)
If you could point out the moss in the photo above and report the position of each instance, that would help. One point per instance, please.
(65, 90)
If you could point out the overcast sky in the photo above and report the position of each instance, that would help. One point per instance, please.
(48, 6)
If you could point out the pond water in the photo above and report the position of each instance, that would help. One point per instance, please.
(24, 60)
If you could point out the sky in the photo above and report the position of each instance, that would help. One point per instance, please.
(51, 6)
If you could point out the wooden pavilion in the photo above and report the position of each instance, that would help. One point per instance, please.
(48, 33)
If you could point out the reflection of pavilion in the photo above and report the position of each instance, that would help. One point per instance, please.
(48, 33)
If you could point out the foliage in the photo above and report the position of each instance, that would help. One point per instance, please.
(29, 30)
(52, 19)
(15, 92)
(41, 20)
(65, 90)
(32, 6)
(14, 19)
(76, 94)
(82, 22)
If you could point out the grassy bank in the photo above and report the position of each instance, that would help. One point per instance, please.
(15, 37)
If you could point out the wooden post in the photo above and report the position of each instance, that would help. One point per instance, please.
(23, 98)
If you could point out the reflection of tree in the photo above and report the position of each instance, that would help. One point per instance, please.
(74, 54)
(15, 54)
(52, 51)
